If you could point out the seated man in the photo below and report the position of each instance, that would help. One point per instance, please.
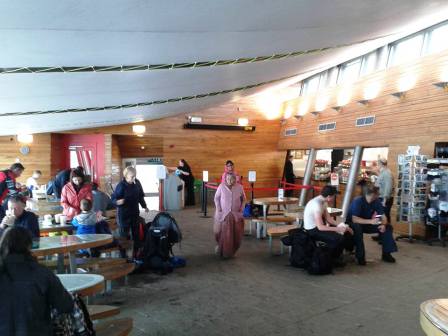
(101, 201)
(321, 226)
(366, 215)
(18, 216)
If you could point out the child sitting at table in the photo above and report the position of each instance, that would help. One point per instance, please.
(85, 222)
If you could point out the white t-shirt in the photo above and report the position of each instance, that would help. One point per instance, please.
(316, 205)
(31, 181)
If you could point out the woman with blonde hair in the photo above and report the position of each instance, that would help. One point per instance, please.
(127, 196)
(229, 222)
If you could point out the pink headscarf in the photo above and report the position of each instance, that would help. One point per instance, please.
(227, 171)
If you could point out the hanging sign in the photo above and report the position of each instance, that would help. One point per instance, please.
(205, 176)
(334, 179)
(252, 176)
(281, 193)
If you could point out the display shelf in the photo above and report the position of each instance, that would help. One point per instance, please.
(411, 192)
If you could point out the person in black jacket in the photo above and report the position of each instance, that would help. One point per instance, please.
(288, 173)
(18, 216)
(28, 290)
(61, 180)
(187, 176)
(127, 196)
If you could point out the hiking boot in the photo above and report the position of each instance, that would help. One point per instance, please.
(387, 257)
(361, 262)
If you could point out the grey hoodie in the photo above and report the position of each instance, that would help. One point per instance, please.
(86, 218)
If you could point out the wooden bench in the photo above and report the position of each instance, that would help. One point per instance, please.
(119, 327)
(278, 232)
(261, 223)
(114, 272)
(99, 312)
(85, 262)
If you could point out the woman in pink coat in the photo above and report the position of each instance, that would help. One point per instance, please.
(229, 222)
(73, 192)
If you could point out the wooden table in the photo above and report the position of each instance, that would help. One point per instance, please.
(68, 245)
(44, 228)
(434, 317)
(83, 284)
(334, 212)
(266, 202)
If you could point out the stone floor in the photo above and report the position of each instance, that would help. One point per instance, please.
(259, 294)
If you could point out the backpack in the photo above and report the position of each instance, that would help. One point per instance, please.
(161, 236)
(302, 247)
(321, 261)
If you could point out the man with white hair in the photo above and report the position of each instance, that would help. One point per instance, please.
(385, 182)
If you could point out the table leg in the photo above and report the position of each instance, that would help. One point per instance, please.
(261, 230)
(72, 259)
(60, 264)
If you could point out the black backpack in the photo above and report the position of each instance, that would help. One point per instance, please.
(161, 236)
(302, 247)
(321, 261)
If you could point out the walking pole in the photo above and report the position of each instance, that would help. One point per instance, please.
(204, 193)
(204, 186)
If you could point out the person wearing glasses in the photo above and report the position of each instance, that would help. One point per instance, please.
(229, 168)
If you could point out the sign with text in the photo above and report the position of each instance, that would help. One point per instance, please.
(205, 176)
(281, 193)
(252, 176)
(334, 179)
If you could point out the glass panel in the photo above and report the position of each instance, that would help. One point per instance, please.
(332, 76)
(350, 72)
(369, 63)
(407, 50)
(73, 159)
(311, 85)
(439, 39)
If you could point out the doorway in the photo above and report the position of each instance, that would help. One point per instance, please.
(147, 175)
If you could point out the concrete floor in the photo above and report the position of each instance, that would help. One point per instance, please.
(259, 294)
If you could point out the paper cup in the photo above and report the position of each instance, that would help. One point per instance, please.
(57, 218)
(48, 218)
(63, 219)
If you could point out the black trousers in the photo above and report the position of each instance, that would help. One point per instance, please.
(128, 228)
(387, 207)
(334, 240)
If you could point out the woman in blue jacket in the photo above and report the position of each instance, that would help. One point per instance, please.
(127, 196)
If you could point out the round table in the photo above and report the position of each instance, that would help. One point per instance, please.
(69, 244)
(434, 317)
(83, 284)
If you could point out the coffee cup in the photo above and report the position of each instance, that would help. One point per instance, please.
(57, 218)
(48, 218)
(63, 219)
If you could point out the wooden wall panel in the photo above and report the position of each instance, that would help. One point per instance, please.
(38, 158)
(208, 150)
(132, 146)
(420, 118)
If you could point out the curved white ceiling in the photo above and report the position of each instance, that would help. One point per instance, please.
(116, 32)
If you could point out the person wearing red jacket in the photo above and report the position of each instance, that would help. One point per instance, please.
(8, 180)
(73, 192)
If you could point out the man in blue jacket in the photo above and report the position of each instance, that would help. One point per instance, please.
(18, 216)
(366, 215)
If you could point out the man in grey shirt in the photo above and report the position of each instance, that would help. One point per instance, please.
(385, 182)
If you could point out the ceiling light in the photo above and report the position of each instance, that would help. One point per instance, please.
(139, 129)
(194, 120)
(321, 103)
(406, 82)
(288, 113)
(399, 95)
(142, 147)
(304, 107)
(25, 138)
(371, 91)
(442, 85)
(243, 121)
(344, 97)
